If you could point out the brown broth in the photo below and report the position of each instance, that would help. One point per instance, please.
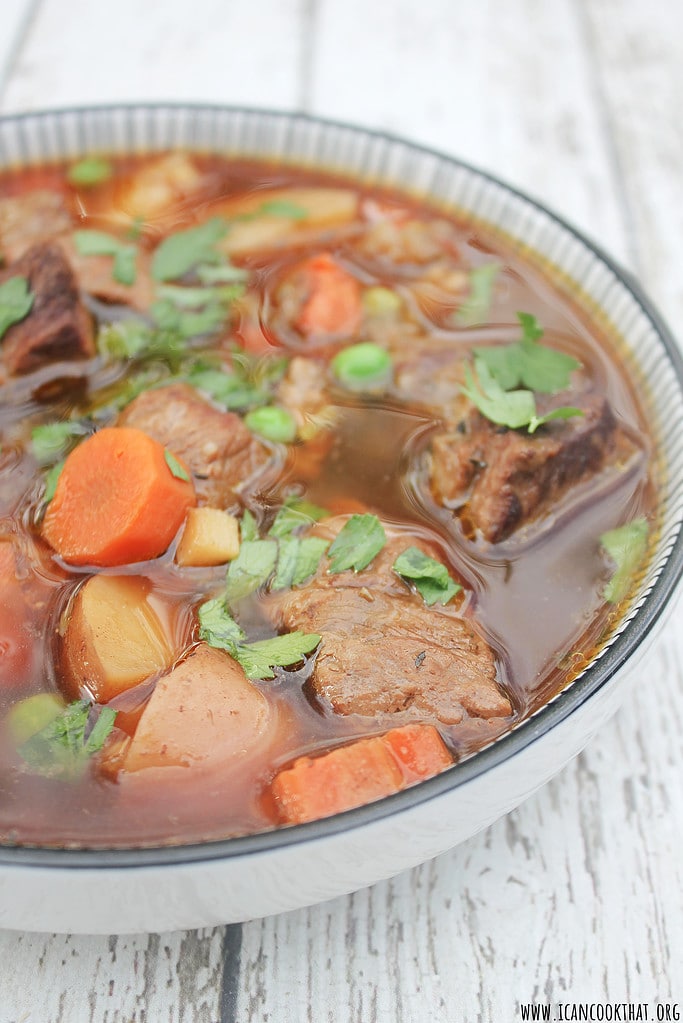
(537, 599)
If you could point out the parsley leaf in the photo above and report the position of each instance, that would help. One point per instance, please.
(513, 409)
(252, 567)
(188, 323)
(248, 383)
(248, 527)
(50, 440)
(475, 308)
(298, 560)
(99, 243)
(527, 363)
(93, 170)
(175, 466)
(16, 302)
(65, 744)
(295, 514)
(361, 539)
(429, 577)
(182, 251)
(217, 627)
(625, 546)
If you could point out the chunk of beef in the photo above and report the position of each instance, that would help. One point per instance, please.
(218, 448)
(25, 220)
(384, 653)
(508, 478)
(58, 327)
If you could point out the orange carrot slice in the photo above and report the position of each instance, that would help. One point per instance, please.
(359, 773)
(119, 499)
(333, 299)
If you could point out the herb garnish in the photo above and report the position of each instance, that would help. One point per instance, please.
(99, 243)
(50, 440)
(51, 478)
(16, 302)
(528, 364)
(175, 466)
(296, 514)
(251, 569)
(64, 745)
(513, 409)
(182, 251)
(474, 309)
(298, 560)
(218, 628)
(355, 546)
(429, 577)
(93, 170)
(246, 384)
(625, 546)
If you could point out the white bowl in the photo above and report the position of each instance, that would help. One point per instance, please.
(157, 889)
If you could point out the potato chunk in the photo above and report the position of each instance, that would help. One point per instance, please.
(210, 537)
(115, 637)
(159, 185)
(205, 713)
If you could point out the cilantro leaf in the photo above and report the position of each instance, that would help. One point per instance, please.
(361, 539)
(475, 308)
(16, 302)
(50, 440)
(175, 466)
(295, 514)
(298, 560)
(217, 627)
(527, 363)
(64, 745)
(248, 527)
(188, 323)
(625, 546)
(251, 568)
(225, 273)
(93, 170)
(513, 409)
(429, 577)
(99, 243)
(182, 251)
(258, 658)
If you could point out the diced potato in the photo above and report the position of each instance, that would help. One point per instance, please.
(158, 185)
(211, 537)
(203, 714)
(267, 224)
(115, 638)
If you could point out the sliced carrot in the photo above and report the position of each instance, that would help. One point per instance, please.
(117, 500)
(359, 773)
(332, 306)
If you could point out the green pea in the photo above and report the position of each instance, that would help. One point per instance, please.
(32, 715)
(378, 301)
(91, 171)
(362, 366)
(272, 422)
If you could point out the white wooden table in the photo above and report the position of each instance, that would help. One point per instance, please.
(576, 897)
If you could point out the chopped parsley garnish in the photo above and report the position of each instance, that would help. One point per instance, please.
(224, 273)
(298, 560)
(296, 514)
(184, 250)
(251, 569)
(16, 302)
(248, 527)
(134, 339)
(175, 466)
(93, 170)
(355, 546)
(429, 577)
(475, 308)
(66, 743)
(99, 243)
(625, 546)
(528, 364)
(513, 409)
(51, 440)
(218, 628)
(247, 383)
(188, 323)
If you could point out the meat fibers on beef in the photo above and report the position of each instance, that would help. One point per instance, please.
(508, 478)
(217, 447)
(384, 653)
(58, 326)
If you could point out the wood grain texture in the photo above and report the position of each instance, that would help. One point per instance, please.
(577, 895)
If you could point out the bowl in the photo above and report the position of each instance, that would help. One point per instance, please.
(218, 882)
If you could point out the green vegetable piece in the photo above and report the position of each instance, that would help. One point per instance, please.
(379, 301)
(188, 323)
(273, 422)
(16, 302)
(94, 170)
(225, 273)
(217, 627)
(361, 540)
(475, 308)
(251, 569)
(283, 208)
(99, 243)
(258, 658)
(565, 412)
(625, 546)
(175, 466)
(182, 251)
(248, 527)
(32, 715)
(513, 409)
(63, 746)
(49, 440)
(528, 363)
(429, 577)
(298, 560)
(296, 514)
(362, 366)
(51, 478)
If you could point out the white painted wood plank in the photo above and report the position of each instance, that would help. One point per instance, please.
(16, 17)
(85, 51)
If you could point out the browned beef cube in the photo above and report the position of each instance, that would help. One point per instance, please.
(216, 445)
(58, 326)
(508, 478)
(384, 653)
